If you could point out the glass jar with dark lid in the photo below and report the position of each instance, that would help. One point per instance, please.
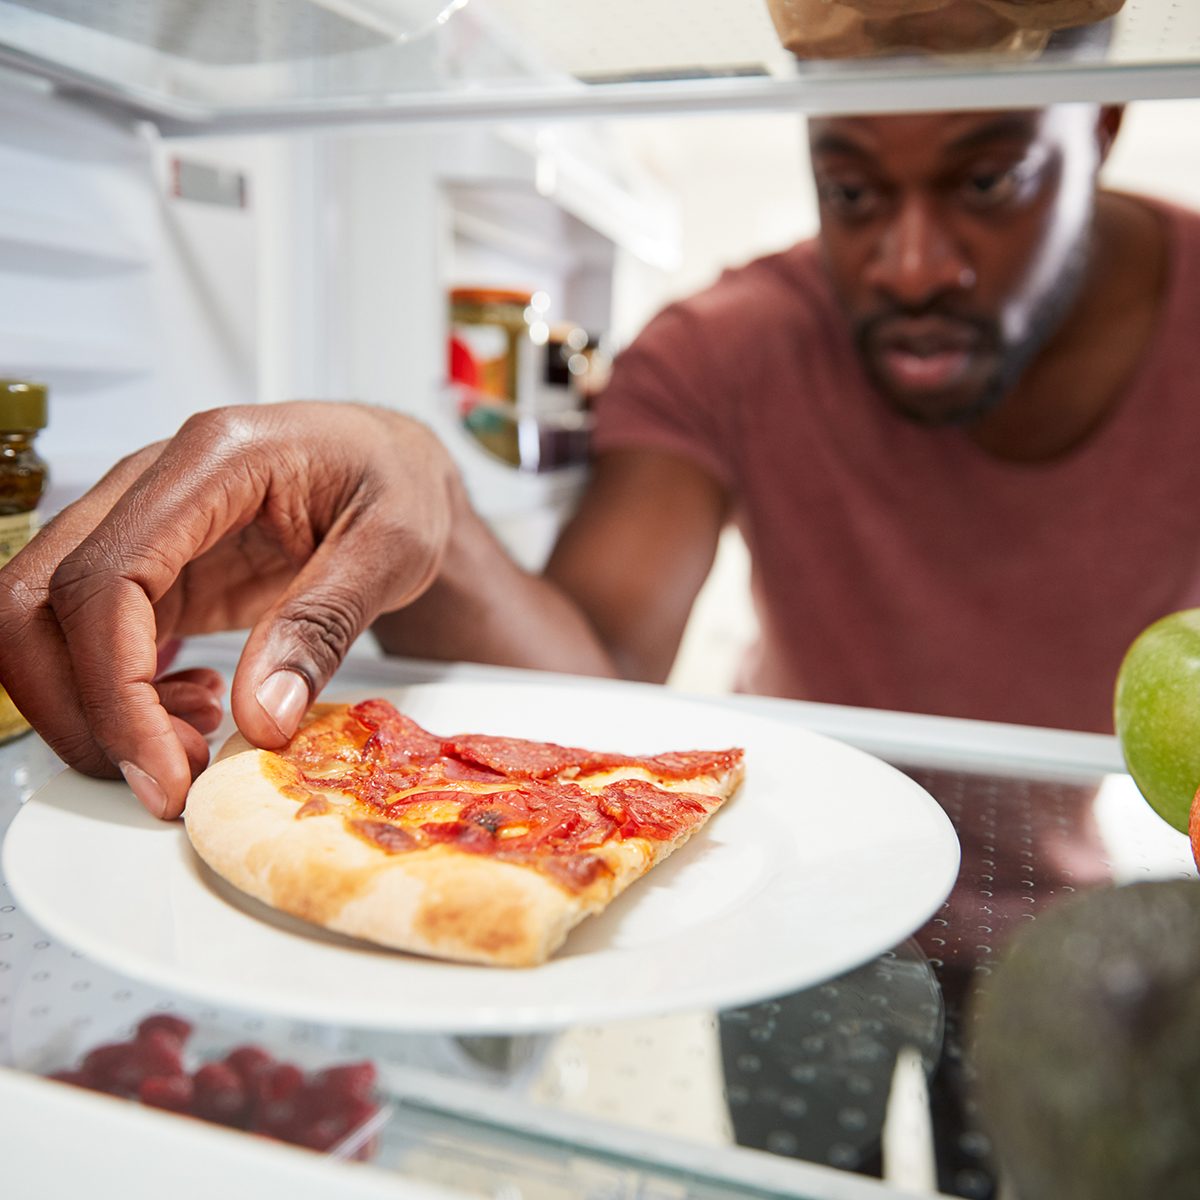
(23, 477)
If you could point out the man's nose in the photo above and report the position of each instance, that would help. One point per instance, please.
(917, 257)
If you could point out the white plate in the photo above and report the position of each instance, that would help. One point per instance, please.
(825, 858)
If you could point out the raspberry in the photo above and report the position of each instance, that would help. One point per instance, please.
(106, 1067)
(220, 1094)
(175, 1093)
(279, 1120)
(249, 1061)
(155, 1053)
(322, 1134)
(330, 1126)
(176, 1027)
(278, 1082)
(277, 1095)
(355, 1114)
(348, 1081)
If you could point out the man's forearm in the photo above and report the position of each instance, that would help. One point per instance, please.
(484, 608)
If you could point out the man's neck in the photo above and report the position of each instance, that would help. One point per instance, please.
(1076, 381)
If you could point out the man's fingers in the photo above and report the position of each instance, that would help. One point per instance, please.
(193, 702)
(180, 697)
(294, 650)
(108, 623)
(36, 667)
(291, 654)
(149, 791)
(194, 695)
(194, 746)
(211, 681)
(102, 595)
(117, 574)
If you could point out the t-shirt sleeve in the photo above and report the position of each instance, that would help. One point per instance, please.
(666, 394)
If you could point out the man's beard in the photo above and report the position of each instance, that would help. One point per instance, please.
(1011, 358)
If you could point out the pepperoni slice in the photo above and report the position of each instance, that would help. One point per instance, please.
(517, 758)
(639, 809)
(688, 764)
(398, 744)
(396, 741)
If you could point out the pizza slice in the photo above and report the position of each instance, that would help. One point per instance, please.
(469, 847)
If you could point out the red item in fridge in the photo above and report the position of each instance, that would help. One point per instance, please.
(347, 1081)
(463, 367)
(175, 1093)
(249, 1062)
(248, 1089)
(175, 1027)
(221, 1095)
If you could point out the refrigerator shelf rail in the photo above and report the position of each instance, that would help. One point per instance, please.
(258, 67)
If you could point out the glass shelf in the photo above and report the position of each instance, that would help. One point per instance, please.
(258, 65)
(785, 1097)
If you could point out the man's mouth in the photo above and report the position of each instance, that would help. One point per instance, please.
(925, 354)
(926, 370)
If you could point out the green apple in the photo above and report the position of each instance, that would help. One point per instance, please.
(1156, 709)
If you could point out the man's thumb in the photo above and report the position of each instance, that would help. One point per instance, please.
(290, 655)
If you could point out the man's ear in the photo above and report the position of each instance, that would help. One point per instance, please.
(1108, 125)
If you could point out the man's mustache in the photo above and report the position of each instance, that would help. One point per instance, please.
(875, 326)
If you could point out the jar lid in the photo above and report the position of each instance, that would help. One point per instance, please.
(489, 295)
(22, 404)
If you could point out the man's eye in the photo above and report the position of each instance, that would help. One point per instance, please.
(990, 189)
(849, 199)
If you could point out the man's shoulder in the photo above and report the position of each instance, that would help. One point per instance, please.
(1185, 226)
(1178, 245)
(1184, 214)
(1182, 223)
(789, 286)
(796, 272)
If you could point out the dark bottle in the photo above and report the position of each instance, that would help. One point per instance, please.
(23, 477)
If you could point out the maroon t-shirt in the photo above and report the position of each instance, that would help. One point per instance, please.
(900, 567)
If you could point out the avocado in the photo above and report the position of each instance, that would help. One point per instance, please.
(1085, 1047)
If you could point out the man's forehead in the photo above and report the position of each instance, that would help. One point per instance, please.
(938, 132)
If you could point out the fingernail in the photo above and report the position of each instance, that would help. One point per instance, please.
(145, 788)
(284, 698)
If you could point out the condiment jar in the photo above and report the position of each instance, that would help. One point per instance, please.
(489, 340)
(23, 477)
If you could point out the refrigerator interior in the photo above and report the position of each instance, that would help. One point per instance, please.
(147, 277)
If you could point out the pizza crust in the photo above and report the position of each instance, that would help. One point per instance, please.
(439, 900)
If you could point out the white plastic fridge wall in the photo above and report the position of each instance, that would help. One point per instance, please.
(102, 295)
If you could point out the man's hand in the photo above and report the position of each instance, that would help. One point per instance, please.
(300, 521)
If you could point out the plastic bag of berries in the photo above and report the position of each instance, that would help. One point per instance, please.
(335, 1109)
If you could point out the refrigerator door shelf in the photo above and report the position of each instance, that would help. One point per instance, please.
(258, 65)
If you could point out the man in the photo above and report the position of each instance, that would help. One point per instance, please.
(953, 431)
(922, 420)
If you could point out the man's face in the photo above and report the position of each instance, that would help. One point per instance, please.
(956, 243)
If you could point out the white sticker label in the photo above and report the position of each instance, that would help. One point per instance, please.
(15, 532)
